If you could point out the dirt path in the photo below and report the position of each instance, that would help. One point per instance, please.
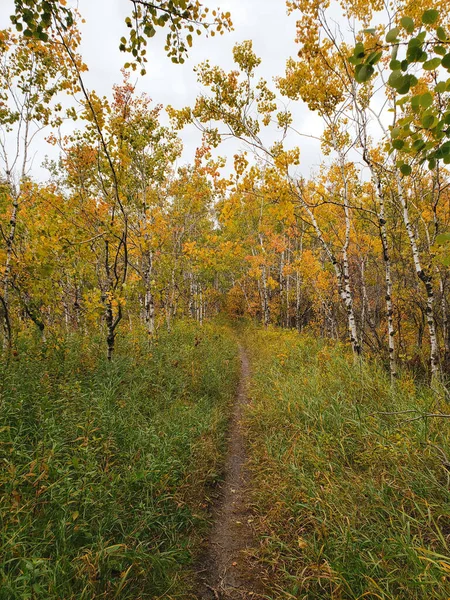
(229, 573)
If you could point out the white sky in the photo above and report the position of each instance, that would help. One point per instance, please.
(263, 21)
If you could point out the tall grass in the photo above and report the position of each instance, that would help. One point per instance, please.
(350, 503)
(107, 468)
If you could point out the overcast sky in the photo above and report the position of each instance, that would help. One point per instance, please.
(263, 21)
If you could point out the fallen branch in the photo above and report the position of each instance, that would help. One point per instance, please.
(214, 591)
(431, 415)
(413, 410)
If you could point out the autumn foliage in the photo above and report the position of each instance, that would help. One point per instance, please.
(115, 386)
(119, 235)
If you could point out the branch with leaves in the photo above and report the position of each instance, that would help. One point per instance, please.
(181, 18)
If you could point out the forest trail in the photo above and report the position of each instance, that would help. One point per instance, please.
(229, 573)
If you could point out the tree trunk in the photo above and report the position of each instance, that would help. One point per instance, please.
(387, 274)
(298, 287)
(111, 319)
(149, 300)
(264, 292)
(445, 324)
(7, 274)
(426, 279)
(265, 297)
(110, 336)
(343, 278)
(348, 296)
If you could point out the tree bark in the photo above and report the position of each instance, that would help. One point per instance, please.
(7, 341)
(426, 279)
(149, 300)
(387, 272)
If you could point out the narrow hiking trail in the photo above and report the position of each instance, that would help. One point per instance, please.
(229, 572)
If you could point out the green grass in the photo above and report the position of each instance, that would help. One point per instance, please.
(350, 504)
(107, 468)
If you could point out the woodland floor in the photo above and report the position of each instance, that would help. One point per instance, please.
(229, 571)
(330, 488)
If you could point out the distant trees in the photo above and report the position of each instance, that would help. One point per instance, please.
(121, 236)
(32, 75)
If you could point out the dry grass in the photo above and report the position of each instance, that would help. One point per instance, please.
(107, 468)
(351, 504)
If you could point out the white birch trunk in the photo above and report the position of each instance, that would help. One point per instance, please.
(387, 273)
(426, 279)
(343, 289)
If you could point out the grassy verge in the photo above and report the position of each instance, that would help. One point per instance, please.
(106, 468)
(350, 503)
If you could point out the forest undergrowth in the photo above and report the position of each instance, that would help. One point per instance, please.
(351, 501)
(107, 468)
(326, 222)
(110, 468)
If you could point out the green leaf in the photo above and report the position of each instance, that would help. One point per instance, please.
(359, 50)
(418, 144)
(446, 61)
(396, 79)
(405, 169)
(415, 103)
(405, 121)
(408, 24)
(440, 32)
(355, 60)
(429, 121)
(414, 51)
(443, 151)
(374, 58)
(398, 144)
(395, 65)
(415, 41)
(426, 100)
(404, 87)
(440, 87)
(363, 73)
(423, 56)
(392, 35)
(430, 16)
(432, 64)
(409, 82)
